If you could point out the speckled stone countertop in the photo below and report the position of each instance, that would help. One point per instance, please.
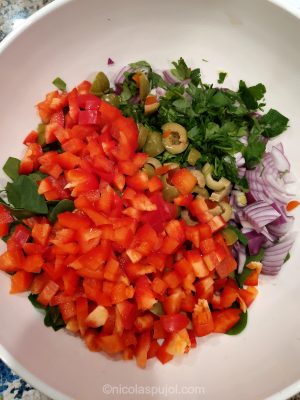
(12, 14)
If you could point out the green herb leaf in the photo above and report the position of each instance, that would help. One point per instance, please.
(274, 123)
(62, 206)
(240, 325)
(222, 76)
(23, 194)
(288, 256)
(11, 168)
(37, 176)
(60, 84)
(181, 70)
(33, 299)
(241, 237)
(140, 65)
(255, 257)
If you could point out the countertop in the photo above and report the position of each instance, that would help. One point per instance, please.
(12, 14)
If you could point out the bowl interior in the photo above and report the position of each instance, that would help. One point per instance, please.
(252, 40)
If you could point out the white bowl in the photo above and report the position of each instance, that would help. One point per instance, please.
(251, 39)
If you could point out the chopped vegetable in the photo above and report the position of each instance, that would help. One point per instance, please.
(60, 84)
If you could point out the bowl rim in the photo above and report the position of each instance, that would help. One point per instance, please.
(8, 359)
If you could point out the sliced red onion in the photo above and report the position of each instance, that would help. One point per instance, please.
(288, 178)
(255, 241)
(169, 77)
(119, 79)
(280, 160)
(275, 255)
(260, 214)
(244, 140)
(243, 221)
(241, 258)
(267, 234)
(239, 159)
(110, 61)
(279, 146)
(282, 229)
(160, 92)
(241, 172)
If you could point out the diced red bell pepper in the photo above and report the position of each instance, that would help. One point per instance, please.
(196, 260)
(144, 296)
(174, 323)
(205, 288)
(21, 282)
(142, 349)
(203, 323)
(225, 319)
(184, 181)
(226, 266)
(48, 293)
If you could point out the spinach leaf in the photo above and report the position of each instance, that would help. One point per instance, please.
(23, 194)
(274, 123)
(60, 84)
(11, 168)
(62, 206)
(140, 65)
(52, 317)
(240, 325)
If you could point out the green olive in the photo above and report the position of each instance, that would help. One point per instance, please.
(143, 135)
(153, 146)
(207, 169)
(112, 99)
(199, 176)
(229, 236)
(100, 84)
(186, 217)
(221, 184)
(202, 192)
(174, 138)
(144, 86)
(150, 171)
(227, 211)
(154, 161)
(151, 108)
(193, 156)
(169, 192)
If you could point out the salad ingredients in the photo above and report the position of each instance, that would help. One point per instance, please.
(133, 251)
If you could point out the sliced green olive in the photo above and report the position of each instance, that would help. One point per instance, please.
(186, 217)
(219, 195)
(174, 138)
(217, 210)
(157, 309)
(144, 86)
(153, 146)
(172, 165)
(221, 184)
(112, 99)
(151, 108)
(202, 192)
(193, 156)
(149, 169)
(229, 236)
(100, 84)
(143, 135)
(207, 169)
(199, 176)
(227, 211)
(169, 192)
(154, 161)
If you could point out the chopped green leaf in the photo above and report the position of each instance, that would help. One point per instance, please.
(240, 325)
(62, 206)
(247, 96)
(288, 256)
(140, 65)
(60, 84)
(255, 257)
(274, 123)
(23, 194)
(241, 237)
(33, 299)
(222, 76)
(53, 318)
(11, 168)
(181, 70)
(258, 91)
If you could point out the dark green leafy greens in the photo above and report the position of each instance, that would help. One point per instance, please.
(23, 194)
(222, 77)
(61, 206)
(241, 237)
(11, 168)
(52, 317)
(241, 278)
